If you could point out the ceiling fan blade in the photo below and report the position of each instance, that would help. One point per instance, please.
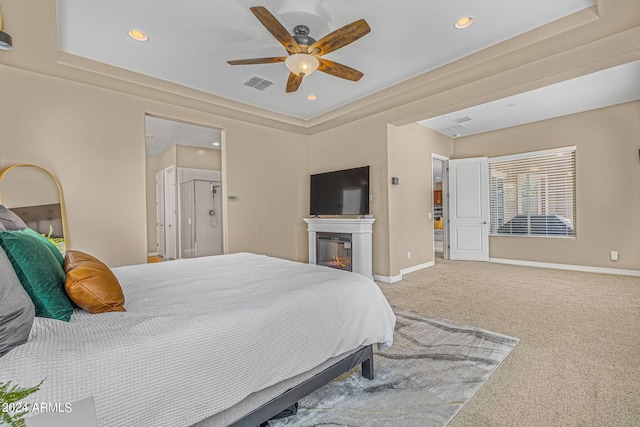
(339, 70)
(340, 38)
(257, 61)
(293, 83)
(276, 29)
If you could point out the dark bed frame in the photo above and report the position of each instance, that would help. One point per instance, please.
(288, 399)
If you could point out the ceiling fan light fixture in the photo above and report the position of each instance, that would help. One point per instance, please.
(302, 64)
(463, 23)
(6, 43)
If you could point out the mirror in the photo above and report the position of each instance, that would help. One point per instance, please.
(35, 195)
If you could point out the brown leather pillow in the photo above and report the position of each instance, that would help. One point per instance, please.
(90, 284)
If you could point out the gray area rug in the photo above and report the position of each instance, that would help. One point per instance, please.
(433, 368)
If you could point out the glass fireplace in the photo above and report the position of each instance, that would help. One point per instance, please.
(334, 250)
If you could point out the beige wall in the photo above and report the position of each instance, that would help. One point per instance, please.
(268, 172)
(165, 159)
(93, 140)
(84, 121)
(607, 177)
(28, 186)
(410, 230)
(360, 143)
(198, 158)
(400, 211)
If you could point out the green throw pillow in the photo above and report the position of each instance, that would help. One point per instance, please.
(53, 248)
(39, 272)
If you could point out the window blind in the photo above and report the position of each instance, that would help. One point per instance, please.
(533, 194)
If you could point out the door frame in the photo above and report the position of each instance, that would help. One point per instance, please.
(170, 214)
(160, 226)
(445, 205)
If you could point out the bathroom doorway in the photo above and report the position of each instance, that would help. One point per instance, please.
(192, 193)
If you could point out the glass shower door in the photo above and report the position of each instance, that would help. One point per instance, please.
(207, 217)
(187, 220)
(201, 218)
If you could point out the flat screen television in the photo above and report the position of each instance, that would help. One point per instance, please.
(344, 192)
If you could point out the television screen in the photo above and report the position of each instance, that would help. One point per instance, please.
(344, 192)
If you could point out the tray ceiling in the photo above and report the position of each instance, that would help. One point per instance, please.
(190, 42)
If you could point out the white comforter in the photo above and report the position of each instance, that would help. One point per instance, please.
(198, 336)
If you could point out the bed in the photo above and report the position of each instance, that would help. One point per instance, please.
(206, 341)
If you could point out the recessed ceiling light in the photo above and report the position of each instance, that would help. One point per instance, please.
(215, 144)
(312, 97)
(463, 23)
(138, 35)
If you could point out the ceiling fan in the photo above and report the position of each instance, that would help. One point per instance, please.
(305, 52)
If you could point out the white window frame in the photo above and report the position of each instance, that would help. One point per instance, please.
(533, 194)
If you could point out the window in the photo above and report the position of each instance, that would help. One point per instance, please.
(533, 194)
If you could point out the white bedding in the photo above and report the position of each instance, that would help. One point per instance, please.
(198, 336)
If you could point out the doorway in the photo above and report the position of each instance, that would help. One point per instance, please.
(184, 189)
(439, 208)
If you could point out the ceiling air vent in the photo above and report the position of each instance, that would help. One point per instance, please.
(258, 83)
(453, 130)
(462, 119)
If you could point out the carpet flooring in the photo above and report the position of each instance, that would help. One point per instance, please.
(578, 359)
(433, 368)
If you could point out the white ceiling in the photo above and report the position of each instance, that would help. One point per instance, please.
(162, 134)
(190, 41)
(597, 90)
(601, 89)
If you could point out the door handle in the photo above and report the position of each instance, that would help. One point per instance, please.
(483, 223)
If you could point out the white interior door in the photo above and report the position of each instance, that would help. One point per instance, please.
(469, 209)
(170, 219)
(160, 213)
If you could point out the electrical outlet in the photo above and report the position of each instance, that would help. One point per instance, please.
(409, 255)
(614, 255)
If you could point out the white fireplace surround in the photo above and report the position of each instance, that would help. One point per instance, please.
(361, 230)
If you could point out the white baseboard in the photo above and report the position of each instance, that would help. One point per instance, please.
(387, 279)
(397, 278)
(153, 254)
(416, 268)
(584, 268)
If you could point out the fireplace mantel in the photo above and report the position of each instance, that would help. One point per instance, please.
(361, 230)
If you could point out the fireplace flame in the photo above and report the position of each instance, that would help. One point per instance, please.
(336, 261)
